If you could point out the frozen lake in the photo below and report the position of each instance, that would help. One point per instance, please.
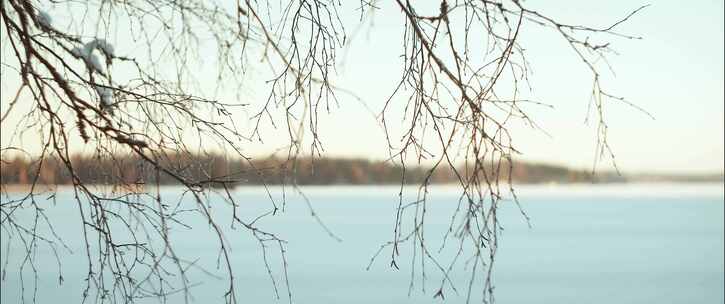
(659, 243)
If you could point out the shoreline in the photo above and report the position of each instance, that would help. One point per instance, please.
(42, 188)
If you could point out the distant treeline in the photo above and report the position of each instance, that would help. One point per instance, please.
(213, 169)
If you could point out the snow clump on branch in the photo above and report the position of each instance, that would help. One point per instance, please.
(44, 20)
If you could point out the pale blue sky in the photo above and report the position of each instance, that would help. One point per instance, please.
(675, 72)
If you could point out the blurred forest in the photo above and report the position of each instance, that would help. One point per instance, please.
(217, 169)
